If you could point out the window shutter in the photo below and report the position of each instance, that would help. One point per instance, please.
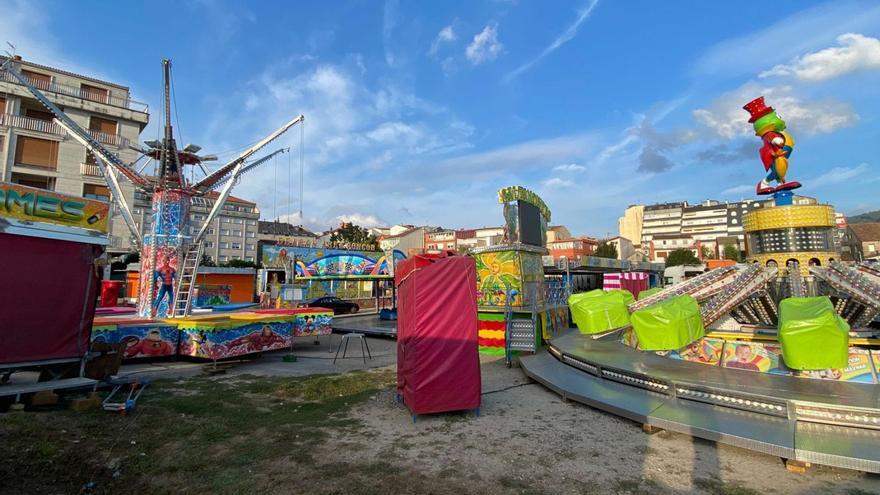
(94, 94)
(106, 126)
(36, 152)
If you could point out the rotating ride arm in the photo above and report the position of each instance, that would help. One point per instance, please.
(234, 168)
(107, 161)
(250, 166)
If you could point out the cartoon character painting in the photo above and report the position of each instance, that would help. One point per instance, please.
(150, 346)
(168, 275)
(777, 147)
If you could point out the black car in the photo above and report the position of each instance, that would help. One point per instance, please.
(338, 306)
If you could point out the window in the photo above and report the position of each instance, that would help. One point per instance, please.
(224, 245)
(239, 221)
(41, 81)
(224, 259)
(252, 222)
(93, 191)
(209, 244)
(36, 152)
(251, 247)
(872, 248)
(39, 114)
(2, 105)
(224, 231)
(249, 258)
(236, 245)
(34, 181)
(106, 126)
(236, 233)
(94, 94)
(252, 234)
(211, 231)
(236, 257)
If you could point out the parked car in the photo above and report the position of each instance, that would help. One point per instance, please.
(338, 306)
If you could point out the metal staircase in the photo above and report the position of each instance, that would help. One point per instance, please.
(186, 280)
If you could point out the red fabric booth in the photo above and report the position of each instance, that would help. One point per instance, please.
(438, 365)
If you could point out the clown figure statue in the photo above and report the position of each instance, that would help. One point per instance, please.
(776, 149)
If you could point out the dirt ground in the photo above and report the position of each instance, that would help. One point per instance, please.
(241, 433)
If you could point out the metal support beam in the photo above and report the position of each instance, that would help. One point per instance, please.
(230, 168)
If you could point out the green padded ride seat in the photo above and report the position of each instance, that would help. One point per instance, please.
(669, 325)
(812, 334)
(599, 311)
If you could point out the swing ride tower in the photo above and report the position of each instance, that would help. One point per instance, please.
(171, 251)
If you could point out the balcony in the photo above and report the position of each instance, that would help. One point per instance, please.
(39, 125)
(90, 170)
(111, 139)
(64, 89)
(31, 124)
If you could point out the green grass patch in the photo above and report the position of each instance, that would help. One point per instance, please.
(203, 434)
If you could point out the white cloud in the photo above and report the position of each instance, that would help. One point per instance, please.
(727, 119)
(556, 182)
(485, 47)
(365, 144)
(394, 133)
(446, 35)
(838, 175)
(789, 37)
(361, 219)
(560, 40)
(569, 167)
(855, 53)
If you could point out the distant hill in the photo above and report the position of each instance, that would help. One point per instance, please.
(871, 216)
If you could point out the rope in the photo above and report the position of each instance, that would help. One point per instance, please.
(289, 183)
(275, 189)
(302, 151)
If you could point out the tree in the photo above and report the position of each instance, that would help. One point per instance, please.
(606, 250)
(707, 253)
(349, 232)
(681, 257)
(239, 264)
(731, 252)
(207, 260)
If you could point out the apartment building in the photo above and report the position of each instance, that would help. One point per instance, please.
(285, 232)
(36, 152)
(661, 219)
(232, 235)
(663, 244)
(629, 226)
(711, 224)
(409, 241)
(711, 220)
(440, 240)
(573, 249)
(467, 239)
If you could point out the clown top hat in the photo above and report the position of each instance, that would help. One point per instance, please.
(757, 108)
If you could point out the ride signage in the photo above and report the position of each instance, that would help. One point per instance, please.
(38, 205)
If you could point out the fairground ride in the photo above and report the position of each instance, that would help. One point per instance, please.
(170, 253)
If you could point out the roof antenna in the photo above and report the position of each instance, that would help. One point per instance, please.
(9, 55)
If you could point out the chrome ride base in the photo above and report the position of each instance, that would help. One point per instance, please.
(798, 419)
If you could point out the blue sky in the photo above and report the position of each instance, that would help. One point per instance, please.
(418, 113)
